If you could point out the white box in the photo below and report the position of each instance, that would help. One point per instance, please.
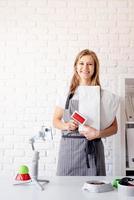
(89, 104)
(130, 146)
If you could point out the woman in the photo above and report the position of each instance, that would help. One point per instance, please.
(81, 154)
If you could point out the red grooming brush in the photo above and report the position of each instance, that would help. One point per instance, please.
(78, 117)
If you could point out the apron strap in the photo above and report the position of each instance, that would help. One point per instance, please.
(91, 149)
(68, 99)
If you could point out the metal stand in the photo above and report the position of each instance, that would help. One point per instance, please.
(35, 162)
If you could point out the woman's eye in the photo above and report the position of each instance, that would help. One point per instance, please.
(88, 64)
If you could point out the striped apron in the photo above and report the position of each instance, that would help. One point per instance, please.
(77, 155)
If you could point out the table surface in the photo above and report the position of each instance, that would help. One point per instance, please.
(59, 188)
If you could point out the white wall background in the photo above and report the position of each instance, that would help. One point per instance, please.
(39, 40)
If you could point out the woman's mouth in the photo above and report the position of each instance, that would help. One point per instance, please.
(85, 72)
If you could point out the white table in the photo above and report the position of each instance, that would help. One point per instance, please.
(59, 188)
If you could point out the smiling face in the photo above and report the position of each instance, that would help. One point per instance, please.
(85, 69)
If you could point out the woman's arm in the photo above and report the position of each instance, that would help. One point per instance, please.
(58, 123)
(111, 130)
(91, 133)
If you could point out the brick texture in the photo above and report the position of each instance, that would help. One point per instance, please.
(38, 43)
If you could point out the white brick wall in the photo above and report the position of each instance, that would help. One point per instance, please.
(39, 40)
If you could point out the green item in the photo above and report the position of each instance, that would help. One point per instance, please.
(23, 169)
(115, 183)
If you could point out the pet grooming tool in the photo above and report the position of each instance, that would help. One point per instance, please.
(76, 116)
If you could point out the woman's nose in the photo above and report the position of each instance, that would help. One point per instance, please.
(86, 65)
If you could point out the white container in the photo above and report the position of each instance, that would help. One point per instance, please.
(125, 190)
(97, 186)
(130, 146)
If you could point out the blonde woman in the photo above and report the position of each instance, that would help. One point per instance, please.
(80, 154)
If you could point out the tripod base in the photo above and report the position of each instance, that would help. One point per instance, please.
(38, 184)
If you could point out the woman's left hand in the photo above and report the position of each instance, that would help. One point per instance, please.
(89, 132)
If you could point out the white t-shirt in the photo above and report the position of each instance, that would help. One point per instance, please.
(61, 99)
(109, 104)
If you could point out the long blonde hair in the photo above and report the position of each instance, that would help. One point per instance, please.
(94, 79)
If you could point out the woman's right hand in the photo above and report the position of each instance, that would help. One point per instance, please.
(71, 125)
(58, 123)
